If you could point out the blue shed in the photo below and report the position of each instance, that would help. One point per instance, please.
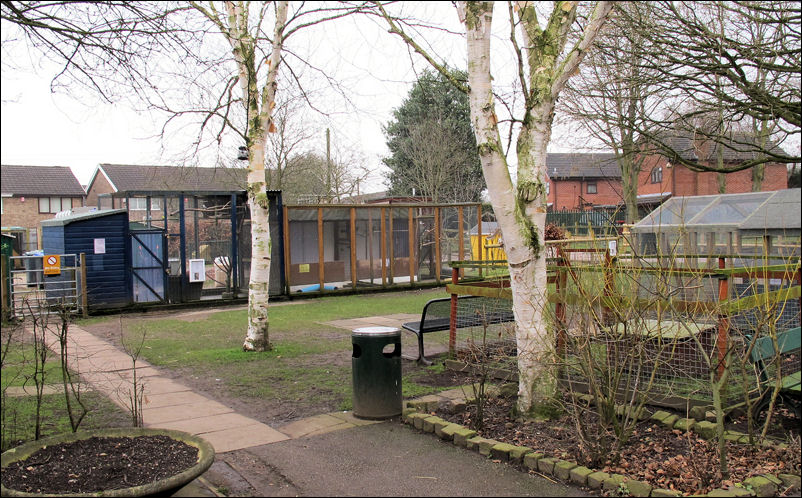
(103, 237)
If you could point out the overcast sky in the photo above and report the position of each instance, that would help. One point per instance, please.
(40, 127)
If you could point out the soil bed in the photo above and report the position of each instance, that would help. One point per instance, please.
(100, 464)
(664, 458)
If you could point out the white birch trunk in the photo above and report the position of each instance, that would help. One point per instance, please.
(527, 266)
(521, 209)
(259, 107)
(257, 338)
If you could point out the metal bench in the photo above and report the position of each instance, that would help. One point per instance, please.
(763, 352)
(436, 316)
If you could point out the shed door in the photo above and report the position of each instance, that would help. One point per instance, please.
(148, 266)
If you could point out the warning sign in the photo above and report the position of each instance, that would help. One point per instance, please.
(52, 264)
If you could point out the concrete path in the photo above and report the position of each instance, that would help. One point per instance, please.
(166, 403)
(315, 456)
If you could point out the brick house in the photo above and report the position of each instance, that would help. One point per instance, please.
(593, 181)
(31, 194)
(582, 181)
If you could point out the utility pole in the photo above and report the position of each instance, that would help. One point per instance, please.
(328, 165)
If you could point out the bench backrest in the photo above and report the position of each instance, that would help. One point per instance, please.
(787, 341)
(472, 311)
(434, 309)
(763, 349)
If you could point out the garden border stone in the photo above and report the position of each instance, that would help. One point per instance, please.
(763, 485)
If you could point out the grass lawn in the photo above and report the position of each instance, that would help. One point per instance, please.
(308, 369)
(18, 413)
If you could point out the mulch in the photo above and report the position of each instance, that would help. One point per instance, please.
(100, 463)
(664, 458)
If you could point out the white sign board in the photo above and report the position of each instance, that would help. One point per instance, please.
(612, 246)
(100, 246)
(197, 270)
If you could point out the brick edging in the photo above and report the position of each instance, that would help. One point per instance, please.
(571, 472)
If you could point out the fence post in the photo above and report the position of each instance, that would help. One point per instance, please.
(452, 321)
(84, 296)
(608, 285)
(723, 319)
(5, 288)
(559, 307)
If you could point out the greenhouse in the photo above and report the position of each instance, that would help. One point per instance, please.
(754, 223)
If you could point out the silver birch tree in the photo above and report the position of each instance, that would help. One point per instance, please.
(258, 58)
(544, 66)
(242, 34)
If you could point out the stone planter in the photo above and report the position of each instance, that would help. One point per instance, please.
(163, 487)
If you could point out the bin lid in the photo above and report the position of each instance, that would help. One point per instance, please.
(377, 331)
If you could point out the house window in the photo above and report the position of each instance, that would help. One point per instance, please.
(54, 204)
(657, 174)
(548, 188)
(49, 204)
(591, 188)
(141, 204)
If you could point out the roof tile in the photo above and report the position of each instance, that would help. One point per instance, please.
(39, 181)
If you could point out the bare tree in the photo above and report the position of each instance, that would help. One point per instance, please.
(292, 133)
(214, 67)
(544, 64)
(311, 178)
(738, 61)
(613, 95)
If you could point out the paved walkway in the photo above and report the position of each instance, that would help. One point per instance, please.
(313, 456)
(166, 403)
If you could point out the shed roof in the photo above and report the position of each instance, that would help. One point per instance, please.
(144, 178)
(66, 220)
(770, 212)
(39, 181)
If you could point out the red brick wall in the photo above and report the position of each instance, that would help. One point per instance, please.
(570, 194)
(25, 213)
(678, 180)
(99, 186)
(681, 181)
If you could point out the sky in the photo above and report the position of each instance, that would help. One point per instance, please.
(42, 127)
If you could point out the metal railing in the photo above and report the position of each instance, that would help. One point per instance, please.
(32, 290)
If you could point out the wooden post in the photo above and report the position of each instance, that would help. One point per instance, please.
(437, 244)
(608, 286)
(479, 231)
(411, 246)
(710, 244)
(559, 307)
(321, 255)
(452, 320)
(766, 246)
(353, 247)
(382, 229)
(723, 320)
(392, 247)
(287, 262)
(370, 243)
(5, 287)
(461, 236)
(799, 282)
(84, 295)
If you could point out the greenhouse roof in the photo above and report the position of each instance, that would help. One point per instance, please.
(774, 212)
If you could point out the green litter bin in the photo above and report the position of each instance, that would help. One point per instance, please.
(376, 372)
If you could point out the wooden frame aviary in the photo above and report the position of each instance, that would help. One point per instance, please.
(331, 247)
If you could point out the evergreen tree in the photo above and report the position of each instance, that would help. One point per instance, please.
(432, 145)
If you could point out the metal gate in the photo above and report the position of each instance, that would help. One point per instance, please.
(148, 265)
(44, 283)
